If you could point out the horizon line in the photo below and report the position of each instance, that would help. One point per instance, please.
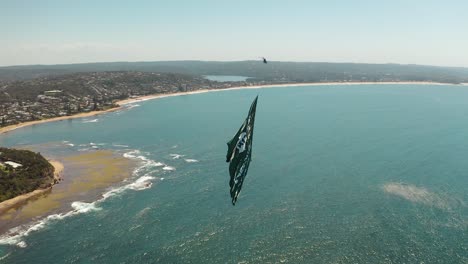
(229, 61)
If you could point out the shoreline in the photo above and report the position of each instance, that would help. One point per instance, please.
(157, 96)
(89, 176)
(6, 205)
(54, 119)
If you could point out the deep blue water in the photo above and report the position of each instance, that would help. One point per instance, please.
(340, 174)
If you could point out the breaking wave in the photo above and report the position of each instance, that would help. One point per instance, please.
(191, 160)
(176, 156)
(84, 149)
(168, 168)
(4, 257)
(90, 121)
(130, 106)
(15, 236)
(141, 183)
(82, 207)
(68, 143)
(120, 145)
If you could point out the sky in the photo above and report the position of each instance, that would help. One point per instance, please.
(429, 32)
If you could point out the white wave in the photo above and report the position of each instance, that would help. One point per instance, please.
(141, 183)
(96, 144)
(22, 244)
(120, 145)
(130, 106)
(147, 163)
(16, 235)
(191, 160)
(90, 121)
(83, 149)
(132, 154)
(146, 167)
(82, 207)
(6, 256)
(168, 168)
(66, 142)
(176, 156)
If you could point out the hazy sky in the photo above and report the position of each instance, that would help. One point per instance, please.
(407, 31)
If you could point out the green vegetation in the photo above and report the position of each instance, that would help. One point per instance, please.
(273, 71)
(37, 92)
(35, 172)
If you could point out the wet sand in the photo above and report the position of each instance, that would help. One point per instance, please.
(85, 177)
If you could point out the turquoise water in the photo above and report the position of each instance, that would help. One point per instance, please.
(226, 78)
(339, 174)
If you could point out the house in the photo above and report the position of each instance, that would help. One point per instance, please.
(53, 92)
(13, 164)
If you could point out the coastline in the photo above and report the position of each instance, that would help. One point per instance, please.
(157, 96)
(54, 119)
(23, 198)
(89, 177)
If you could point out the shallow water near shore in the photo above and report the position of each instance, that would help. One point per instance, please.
(340, 174)
(87, 175)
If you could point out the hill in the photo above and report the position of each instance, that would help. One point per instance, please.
(23, 171)
(274, 71)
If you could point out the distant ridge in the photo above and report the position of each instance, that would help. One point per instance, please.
(273, 71)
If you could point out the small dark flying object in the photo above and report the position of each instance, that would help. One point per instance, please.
(264, 60)
(240, 152)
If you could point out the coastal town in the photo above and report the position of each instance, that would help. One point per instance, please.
(66, 95)
(34, 93)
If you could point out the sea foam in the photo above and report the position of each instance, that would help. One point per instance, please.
(90, 121)
(15, 236)
(176, 156)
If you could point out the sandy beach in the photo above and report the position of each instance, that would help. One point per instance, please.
(156, 96)
(60, 118)
(22, 199)
(88, 175)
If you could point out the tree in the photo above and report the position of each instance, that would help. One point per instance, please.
(94, 103)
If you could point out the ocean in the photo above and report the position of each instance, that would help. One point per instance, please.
(339, 174)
